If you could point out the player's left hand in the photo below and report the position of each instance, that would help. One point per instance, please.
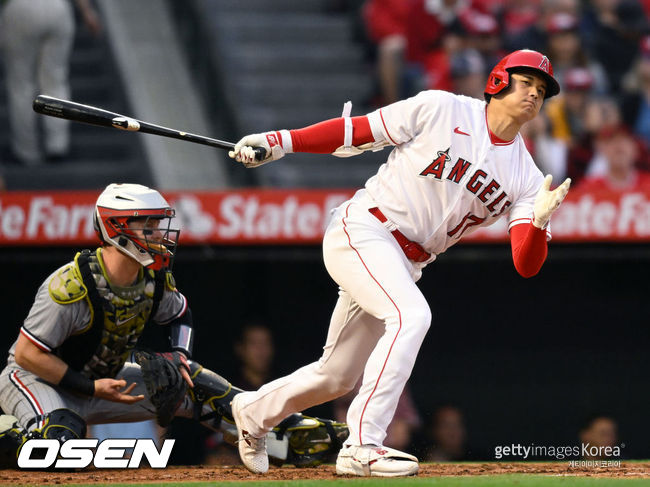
(548, 201)
(185, 370)
(244, 150)
(180, 361)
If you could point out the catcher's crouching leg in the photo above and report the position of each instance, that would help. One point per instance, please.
(211, 396)
(298, 440)
(61, 424)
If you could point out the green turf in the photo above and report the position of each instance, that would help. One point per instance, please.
(518, 480)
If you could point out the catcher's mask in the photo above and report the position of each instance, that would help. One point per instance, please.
(499, 78)
(139, 222)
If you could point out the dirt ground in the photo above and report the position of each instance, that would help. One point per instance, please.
(210, 473)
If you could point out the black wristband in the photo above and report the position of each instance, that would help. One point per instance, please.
(76, 382)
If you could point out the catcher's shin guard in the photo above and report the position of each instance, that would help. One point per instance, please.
(312, 441)
(211, 395)
(12, 437)
(62, 424)
(298, 440)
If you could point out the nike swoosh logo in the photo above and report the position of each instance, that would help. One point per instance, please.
(121, 322)
(457, 130)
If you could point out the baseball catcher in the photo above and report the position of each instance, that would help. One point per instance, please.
(75, 362)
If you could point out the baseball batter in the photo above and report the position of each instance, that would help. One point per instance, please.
(70, 365)
(458, 164)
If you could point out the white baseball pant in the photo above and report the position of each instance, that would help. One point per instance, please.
(376, 329)
(26, 396)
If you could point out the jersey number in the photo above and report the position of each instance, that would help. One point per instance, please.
(468, 220)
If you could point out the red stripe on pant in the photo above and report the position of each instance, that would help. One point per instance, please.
(399, 313)
(28, 394)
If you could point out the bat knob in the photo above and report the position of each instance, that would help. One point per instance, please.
(260, 153)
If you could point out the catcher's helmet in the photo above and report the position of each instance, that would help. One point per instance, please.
(499, 78)
(152, 241)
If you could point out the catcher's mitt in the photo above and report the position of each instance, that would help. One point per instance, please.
(163, 381)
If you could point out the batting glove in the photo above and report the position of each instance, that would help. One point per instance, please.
(276, 144)
(548, 201)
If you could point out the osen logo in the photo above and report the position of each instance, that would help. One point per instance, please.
(79, 453)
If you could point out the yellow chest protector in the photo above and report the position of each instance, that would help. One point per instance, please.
(118, 315)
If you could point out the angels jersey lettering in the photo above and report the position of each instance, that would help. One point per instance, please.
(445, 177)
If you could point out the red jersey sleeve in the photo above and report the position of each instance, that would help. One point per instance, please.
(325, 137)
(529, 248)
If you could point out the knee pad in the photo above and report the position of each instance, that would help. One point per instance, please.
(63, 424)
(12, 437)
(212, 390)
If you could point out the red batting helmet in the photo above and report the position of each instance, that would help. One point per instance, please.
(499, 78)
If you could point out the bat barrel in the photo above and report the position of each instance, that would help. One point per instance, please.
(69, 110)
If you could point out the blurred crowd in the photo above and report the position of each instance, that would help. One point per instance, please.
(597, 131)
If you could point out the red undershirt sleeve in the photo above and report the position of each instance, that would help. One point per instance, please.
(325, 137)
(529, 248)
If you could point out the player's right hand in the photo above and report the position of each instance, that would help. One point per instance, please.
(244, 150)
(114, 390)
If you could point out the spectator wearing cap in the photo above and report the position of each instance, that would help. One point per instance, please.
(615, 165)
(566, 113)
(468, 73)
(483, 35)
(565, 50)
(518, 15)
(636, 101)
(535, 36)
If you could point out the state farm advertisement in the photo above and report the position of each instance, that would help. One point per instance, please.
(229, 217)
(286, 217)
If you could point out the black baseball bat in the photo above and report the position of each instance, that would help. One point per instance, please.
(69, 110)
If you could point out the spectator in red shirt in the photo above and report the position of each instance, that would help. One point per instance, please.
(386, 26)
(434, 34)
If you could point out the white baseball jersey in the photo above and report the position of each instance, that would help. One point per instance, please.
(445, 178)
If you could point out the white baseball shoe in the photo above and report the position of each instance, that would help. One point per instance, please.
(375, 461)
(252, 451)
